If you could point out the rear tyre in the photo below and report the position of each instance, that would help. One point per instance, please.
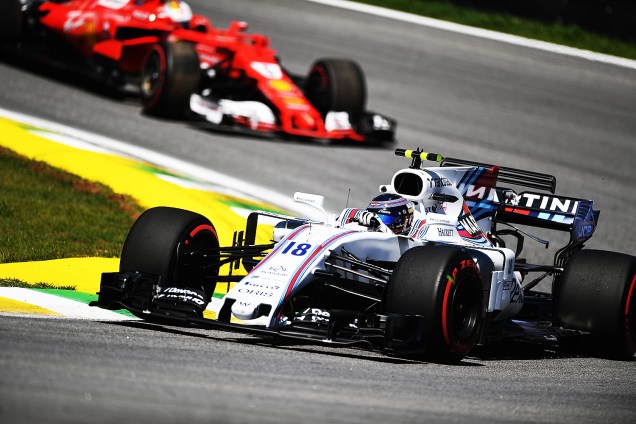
(443, 285)
(337, 85)
(597, 293)
(158, 243)
(171, 73)
(10, 24)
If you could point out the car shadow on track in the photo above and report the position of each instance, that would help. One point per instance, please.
(479, 356)
(572, 347)
(518, 350)
(284, 345)
(71, 77)
(238, 132)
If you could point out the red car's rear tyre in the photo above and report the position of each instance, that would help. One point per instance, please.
(10, 23)
(443, 285)
(597, 293)
(336, 85)
(171, 73)
(157, 244)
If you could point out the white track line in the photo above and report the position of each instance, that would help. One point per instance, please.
(478, 32)
(66, 307)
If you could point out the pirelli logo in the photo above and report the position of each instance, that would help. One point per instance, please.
(548, 203)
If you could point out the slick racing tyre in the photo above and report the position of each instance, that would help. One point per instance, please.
(337, 85)
(162, 241)
(443, 285)
(10, 24)
(597, 294)
(171, 73)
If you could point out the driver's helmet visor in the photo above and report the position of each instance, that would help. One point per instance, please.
(395, 223)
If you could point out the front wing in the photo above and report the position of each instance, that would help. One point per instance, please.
(136, 293)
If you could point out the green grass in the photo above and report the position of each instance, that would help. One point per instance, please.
(46, 213)
(13, 282)
(568, 35)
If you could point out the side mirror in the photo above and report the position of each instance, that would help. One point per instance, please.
(313, 200)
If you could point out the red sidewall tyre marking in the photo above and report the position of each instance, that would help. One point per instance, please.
(449, 285)
(456, 346)
(158, 89)
(203, 227)
(628, 331)
(322, 72)
(629, 295)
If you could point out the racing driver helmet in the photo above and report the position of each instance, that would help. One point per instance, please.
(394, 211)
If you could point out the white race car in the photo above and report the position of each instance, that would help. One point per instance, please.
(435, 285)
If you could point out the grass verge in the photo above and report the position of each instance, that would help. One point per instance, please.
(46, 213)
(13, 282)
(568, 35)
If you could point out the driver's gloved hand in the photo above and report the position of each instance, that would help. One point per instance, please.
(368, 219)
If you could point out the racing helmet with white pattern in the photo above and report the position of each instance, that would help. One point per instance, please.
(394, 211)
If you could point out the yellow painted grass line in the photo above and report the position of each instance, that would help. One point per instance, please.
(82, 273)
(11, 306)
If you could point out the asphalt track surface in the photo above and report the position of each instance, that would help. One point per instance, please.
(453, 94)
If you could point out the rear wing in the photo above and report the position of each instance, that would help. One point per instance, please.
(572, 215)
(486, 200)
(518, 177)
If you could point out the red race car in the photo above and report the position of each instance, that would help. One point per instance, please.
(185, 67)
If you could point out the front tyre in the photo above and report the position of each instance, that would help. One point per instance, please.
(597, 293)
(337, 85)
(171, 73)
(443, 285)
(165, 241)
